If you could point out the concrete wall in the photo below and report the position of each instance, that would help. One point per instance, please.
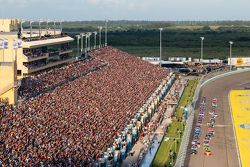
(8, 81)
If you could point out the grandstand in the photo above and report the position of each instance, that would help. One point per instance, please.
(30, 50)
(82, 113)
(35, 49)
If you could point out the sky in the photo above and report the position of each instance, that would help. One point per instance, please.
(155, 10)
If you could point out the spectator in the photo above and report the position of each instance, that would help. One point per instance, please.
(81, 118)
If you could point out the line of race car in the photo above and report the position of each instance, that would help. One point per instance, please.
(210, 131)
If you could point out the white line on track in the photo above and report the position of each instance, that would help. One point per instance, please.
(235, 137)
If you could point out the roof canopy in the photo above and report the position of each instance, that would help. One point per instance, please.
(46, 42)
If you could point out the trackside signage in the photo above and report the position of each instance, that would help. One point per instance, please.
(239, 62)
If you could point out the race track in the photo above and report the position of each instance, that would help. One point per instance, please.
(223, 145)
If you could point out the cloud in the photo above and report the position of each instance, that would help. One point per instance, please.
(104, 2)
(121, 4)
(127, 9)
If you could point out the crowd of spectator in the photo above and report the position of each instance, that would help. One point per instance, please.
(172, 93)
(78, 121)
(34, 85)
(65, 47)
(38, 52)
(33, 53)
(35, 64)
(176, 91)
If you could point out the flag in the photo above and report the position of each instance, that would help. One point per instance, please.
(15, 44)
(1, 44)
(19, 43)
(5, 44)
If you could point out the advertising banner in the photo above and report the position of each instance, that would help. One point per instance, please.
(239, 62)
(1, 44)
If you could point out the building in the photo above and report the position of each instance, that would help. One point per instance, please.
(8, 82)
(177, 59)
(40, 46)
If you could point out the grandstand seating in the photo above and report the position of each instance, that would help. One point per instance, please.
(79, 118)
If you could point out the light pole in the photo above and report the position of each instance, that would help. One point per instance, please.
(231, 44)
(86, 43)
(160, 46)
(61, 25)
(95, 33)
(22, 21)
(30, 29)
(202, 39)
(89, 36)
(82, 35)
(100, 36)
(78, 41)
(54, 29)
(106, 32)
(47, 27)
(40, 28)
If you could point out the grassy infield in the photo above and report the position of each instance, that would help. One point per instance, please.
(163, 157)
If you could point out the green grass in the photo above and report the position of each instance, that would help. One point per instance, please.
(162, 157)
(177, 40)
(187, 97)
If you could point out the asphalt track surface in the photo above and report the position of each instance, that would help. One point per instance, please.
(223, 144)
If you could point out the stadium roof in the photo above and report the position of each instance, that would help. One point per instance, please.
(46, 42)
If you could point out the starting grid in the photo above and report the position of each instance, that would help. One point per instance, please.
(240, 104)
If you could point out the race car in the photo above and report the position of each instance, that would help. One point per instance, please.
(214, 105)
(198, 126)
(199, 121)
(194, 147)
(193, 152)
(214, 115)
(211, 126)
(207, 139)
(196, 137)
(197, 133)
(201, 115)
(214, 100)
(206, 148)
(211, 133)
(210, 129)
(207, 153)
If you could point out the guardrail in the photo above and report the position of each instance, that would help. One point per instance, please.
(224, 75)
(188, 129)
